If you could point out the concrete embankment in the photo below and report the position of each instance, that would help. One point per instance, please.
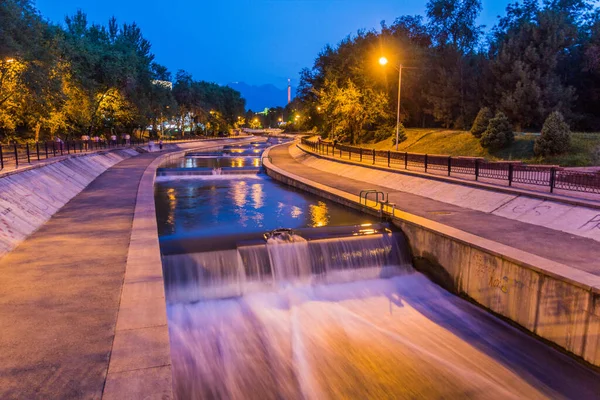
(29, 198)
(550, 298)
(574, 216)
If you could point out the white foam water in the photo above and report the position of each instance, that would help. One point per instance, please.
(395, 338)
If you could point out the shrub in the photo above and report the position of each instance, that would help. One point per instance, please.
(481, 122)
(382, 133)
(555, 137)
(498, 134)
(401, 135)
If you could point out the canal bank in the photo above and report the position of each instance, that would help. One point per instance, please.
(544, 280)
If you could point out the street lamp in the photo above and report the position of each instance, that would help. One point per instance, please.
(383, 61)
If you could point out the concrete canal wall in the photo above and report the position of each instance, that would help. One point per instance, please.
(558, 303)
(29, 198)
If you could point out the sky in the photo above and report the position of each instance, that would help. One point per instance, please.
(252, 41)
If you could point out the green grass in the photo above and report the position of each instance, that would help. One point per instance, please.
(585, 147)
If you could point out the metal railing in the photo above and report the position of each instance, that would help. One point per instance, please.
(15, 155)
(551, 176)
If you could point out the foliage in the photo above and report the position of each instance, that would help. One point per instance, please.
(555, 137)
(206, 106)
(481, 122)
(93, 79)
(349, 109)
(540, 57)
(401, 135)
(498, 134)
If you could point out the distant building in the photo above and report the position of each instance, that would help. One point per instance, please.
(165, 84)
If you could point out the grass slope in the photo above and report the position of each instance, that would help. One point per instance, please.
(585, 147)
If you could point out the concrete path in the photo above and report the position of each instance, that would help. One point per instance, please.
(60, 292)
(575, 251)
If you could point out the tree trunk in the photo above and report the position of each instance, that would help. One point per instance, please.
(38, 127)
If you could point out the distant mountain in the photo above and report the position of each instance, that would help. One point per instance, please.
(260, 97)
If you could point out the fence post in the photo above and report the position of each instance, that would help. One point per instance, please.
(61, 148)
(373, 156)
(350, 154)
(28, 156)
(477, 169)
(360, 151)
(46, 148)
(510, 174)
(16, 155)
(68, 150)
(449, 165)
(389, 156)
(425, 162)
(1, 158)
(53, 149)
(37, 150)
(340, 152)
(552, 179)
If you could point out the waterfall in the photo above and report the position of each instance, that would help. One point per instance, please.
(289, 257)
(282, 261)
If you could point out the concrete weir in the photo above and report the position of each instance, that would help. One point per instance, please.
(551, 299)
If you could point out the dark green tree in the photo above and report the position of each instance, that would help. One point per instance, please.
(555, 137)
(498, 134)
(481, 122)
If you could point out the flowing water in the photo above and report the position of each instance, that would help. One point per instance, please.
(329, 309)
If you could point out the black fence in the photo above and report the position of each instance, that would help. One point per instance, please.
(553, 177)
(15, 155)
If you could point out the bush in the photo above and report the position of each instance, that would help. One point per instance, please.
(555, 137)
(481, 122)
(498, 134)
(401, 135)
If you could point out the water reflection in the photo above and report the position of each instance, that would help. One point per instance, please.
(296, 212)
(257, 195)
(239, 191)
(319, 214)
(233, 161)
(210, 207)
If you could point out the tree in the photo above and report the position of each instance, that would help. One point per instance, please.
(401, 135)
(555, 137)
(350, 110)
(481, 122)
(498, 134)
(451, 92)
(530, 43)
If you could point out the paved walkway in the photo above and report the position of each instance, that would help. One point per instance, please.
(575, 251)
(60, 292)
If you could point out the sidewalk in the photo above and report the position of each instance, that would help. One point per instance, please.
(61, 289)
(575, 251)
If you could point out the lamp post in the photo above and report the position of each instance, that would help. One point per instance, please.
(383, 61)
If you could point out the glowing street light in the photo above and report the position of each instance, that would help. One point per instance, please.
(383, 60)
(319, 108)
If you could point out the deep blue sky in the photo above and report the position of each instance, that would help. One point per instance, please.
(253, 41)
